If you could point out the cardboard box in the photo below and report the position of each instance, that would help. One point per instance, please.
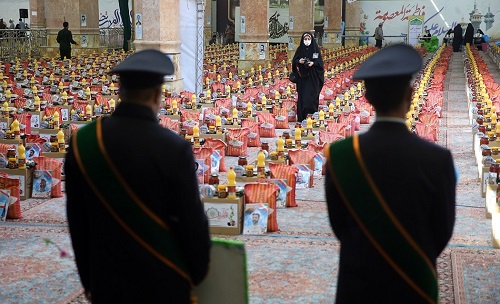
(222, 136)
(268, 161)
(36, 117)
(244, 179)
(26, 180)
(5, 123)
(46, 133)
(65, 113)
(207, 105)
(225, 215)
(485, 173)
(14, 142)
(495, 230)
(173, 117)
(231, 126)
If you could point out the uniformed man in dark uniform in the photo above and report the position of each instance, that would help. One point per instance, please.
(137, 225)
(65, 39)
(390, 194)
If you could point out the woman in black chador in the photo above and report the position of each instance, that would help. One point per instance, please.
(457, 38)
(307, 63)
(469, 34)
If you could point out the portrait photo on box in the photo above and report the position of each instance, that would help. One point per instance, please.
(4, 204)
(255, 219)
(32, 150)
(42, 184)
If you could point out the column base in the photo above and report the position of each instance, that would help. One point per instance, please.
(247, 65)
(252, 55)
(176, 85)
(296, 43)
(93, 38)
(333, 39)
(354, 41)
(53, 51)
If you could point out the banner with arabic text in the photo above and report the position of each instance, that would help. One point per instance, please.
(439, 15)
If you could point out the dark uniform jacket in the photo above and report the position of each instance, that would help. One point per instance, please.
(159, 166)
(417, 180)
(65, 38)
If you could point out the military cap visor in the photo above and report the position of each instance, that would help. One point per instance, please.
(144, 69)
(392, 61)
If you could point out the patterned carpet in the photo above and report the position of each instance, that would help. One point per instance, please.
(298, 264)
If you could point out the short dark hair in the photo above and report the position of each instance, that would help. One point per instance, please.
(386, 93)
(65, 24)
(137, 94)
(20, 19)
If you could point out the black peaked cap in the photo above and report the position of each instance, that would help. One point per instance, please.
(392, 61)
(144, 69)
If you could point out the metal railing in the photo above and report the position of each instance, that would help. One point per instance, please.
(370, 39)
(21, 43)
(111, 38)
(24, 43)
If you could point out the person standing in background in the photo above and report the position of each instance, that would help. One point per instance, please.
(307, 64)
(379, 35)
(22, 25)
(65, 39)
(457, 38)
(469, 35)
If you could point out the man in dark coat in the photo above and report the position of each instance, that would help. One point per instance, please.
(390, 194)
(307, 63)
(136, 163)
(65, 39)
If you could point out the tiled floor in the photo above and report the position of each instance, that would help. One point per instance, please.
(299, 263)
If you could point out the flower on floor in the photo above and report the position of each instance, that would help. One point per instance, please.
(62, 253)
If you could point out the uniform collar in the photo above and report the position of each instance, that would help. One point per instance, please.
(133, 110)
(390, 119)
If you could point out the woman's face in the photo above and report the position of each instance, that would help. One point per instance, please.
(307, 40)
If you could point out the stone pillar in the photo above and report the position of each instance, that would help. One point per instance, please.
(89, 8)
(58, 11)
(332, 29)
(37, 11)
(161, 31)
(207, 22)
(256, 34)
(302, 12)
(352, 21)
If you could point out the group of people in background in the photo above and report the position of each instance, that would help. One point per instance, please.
(21, 25)
(460, 39)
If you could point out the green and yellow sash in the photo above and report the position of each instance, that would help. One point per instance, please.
(123, 204)
(374, 217)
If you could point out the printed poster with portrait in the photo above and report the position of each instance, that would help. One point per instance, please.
(42, 184)
(138, 26)
(255, 219)
(200, 170)
(85, 41)
(262, 51)
(83, 20)
(4, 204)
(32, 150)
